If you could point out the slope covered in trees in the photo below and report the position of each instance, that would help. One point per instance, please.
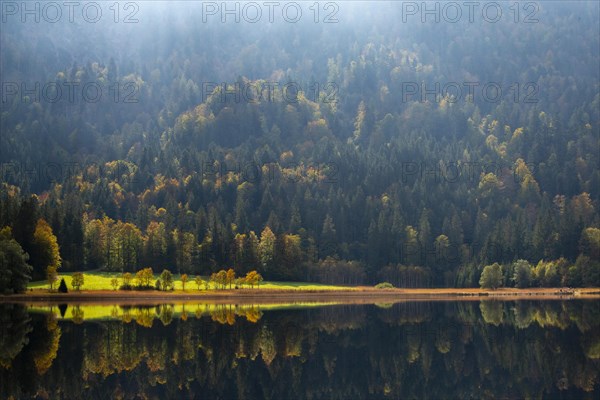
(348, 152)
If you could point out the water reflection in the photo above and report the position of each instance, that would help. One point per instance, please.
(406, 350)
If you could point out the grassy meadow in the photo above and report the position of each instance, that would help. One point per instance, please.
(102, 281)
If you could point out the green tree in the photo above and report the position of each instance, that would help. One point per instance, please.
(240, 282)
(199, 282)
(23, 230)
(95, 239)
(77, 280)
(14, 270)
(589, 270)
(424, 230)
(127, 278)
(589, 243)
(328, 243)
(114, 282)
(411, 251)
(155, 243)
(62, 288)
(292, 257)
(253, 278)
(251, 253)
(230, 277)
(266, 248)
(221, 278)
(166, 279)
(185, 243)
(239, 250)
(46, 247)
(51, 276)
(491, 276)
(184, 280)
(522, 274)
(144, 277)
(128, 245)
(442, 243)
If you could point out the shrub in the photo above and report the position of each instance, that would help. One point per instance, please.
(62, 288)
(384, 285)
(144, 287)
(77, 280)
(166, 280)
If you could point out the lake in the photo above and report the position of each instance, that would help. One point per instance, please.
(416, 349)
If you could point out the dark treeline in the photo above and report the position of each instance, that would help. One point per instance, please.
(404, 351)
(356, 182)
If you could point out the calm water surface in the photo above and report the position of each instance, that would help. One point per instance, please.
(436, 350)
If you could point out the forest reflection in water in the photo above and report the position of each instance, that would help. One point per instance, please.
(482, 349)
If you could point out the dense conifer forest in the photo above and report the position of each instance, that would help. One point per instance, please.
(372, 147)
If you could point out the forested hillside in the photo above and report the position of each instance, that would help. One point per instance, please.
(378, 147)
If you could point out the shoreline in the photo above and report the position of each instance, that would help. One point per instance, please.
(359, 295)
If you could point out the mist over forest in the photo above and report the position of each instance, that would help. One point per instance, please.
(337, 142)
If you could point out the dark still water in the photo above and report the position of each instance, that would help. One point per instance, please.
(435, 350)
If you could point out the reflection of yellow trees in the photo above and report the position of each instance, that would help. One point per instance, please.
(414, 343)
(184, 314)
(329, 364)
(212, 349)
(126, 316)
(226, 313)
(43, 359)
(523, 317)
(240, 351)
(586, 378)
(442, 341)
(77, 314)
(117, 351)
(334, 319)
(144, 317)
(592, 347)
(426, 360)
(293, 342)
(101, 355)
(223, 314)
(166, 314)
(492, 312)
(548, 316)
(230, 317)
(158, 378)
(252, 314)
(266, 345)
(584, 316)
(186, 349)
(158, 357)
(121, 349)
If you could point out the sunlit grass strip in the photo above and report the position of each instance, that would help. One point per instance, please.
(95, 281)
(102, 281)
